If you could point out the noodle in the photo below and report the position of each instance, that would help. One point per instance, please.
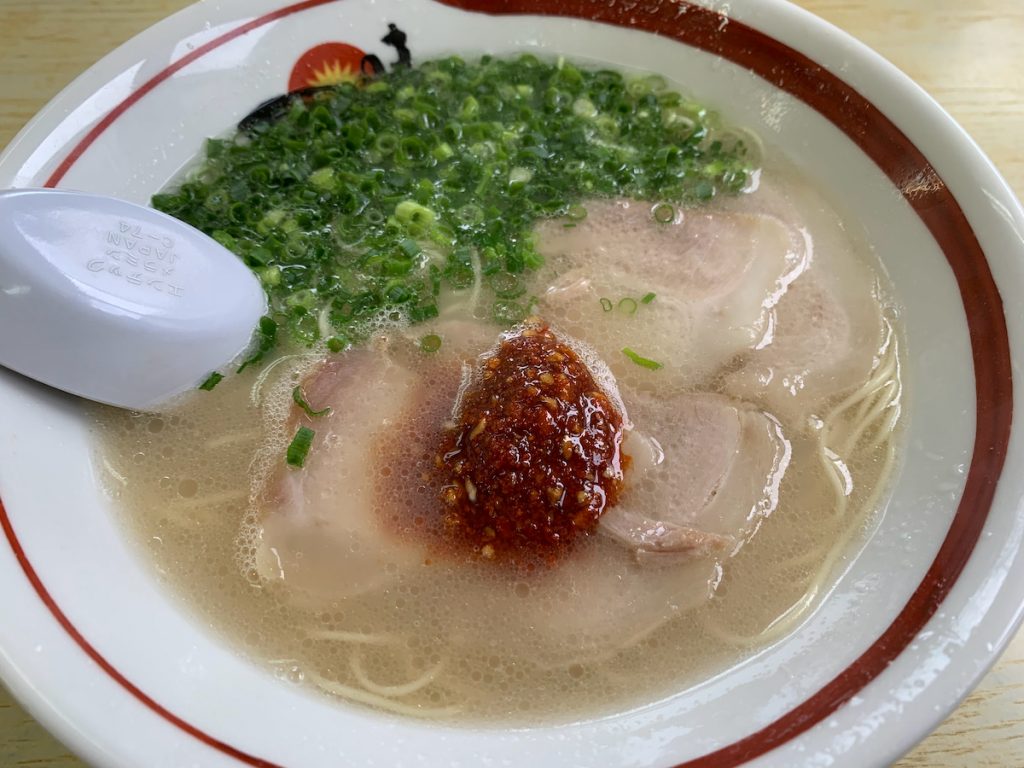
(375, 700)
(403, 689)
(351, 637)
(211, 500)
(876, 409)
(223, 441)
(879, 393)
(374, 693)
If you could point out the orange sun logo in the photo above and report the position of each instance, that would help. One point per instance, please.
(326, 64)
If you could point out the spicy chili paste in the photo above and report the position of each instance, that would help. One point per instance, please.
(533, 457)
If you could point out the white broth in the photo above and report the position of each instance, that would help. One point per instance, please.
(770, 427)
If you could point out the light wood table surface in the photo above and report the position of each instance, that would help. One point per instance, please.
(969, 56)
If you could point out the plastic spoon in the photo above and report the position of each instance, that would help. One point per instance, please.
(117, 302)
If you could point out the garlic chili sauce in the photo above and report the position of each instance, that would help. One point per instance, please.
(532, 458)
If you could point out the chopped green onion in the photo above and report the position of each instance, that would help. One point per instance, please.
(410, 247)
(643, 362)
(648, 298)
(519, 176)
(322, 179)
(584, 108)
(300, 400)
(704, 190)
(470, 108)
(270, 277)
(366, 198)
(470, 214)
(299, 447)
(507, 312)
(576, 212)
(628, 306)
(443, 151)
(414, 215)
(506, 285)
(336, 344)
(606, 305)
(266, 334)
(663, 213)
(430, 343)
(386, 143)
(211, 381)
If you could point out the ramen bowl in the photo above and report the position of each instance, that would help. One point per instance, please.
(118, 669)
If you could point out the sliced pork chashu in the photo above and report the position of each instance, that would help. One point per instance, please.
(602, 598)
(825, 334)
(320, 532)
(715, 275)
(700, 487)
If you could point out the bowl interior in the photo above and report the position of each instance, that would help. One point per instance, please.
(147, 663)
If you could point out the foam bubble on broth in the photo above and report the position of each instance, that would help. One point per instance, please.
(191, 476)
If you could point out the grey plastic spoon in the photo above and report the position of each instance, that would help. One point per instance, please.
(116, 302)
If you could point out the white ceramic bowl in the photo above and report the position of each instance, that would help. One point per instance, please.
(108, 661)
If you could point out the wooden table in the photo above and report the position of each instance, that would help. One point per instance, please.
(969, 56)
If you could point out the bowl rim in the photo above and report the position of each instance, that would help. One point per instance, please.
(882, 140)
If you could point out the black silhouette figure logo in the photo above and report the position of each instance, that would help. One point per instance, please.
(396, 39)
(370, 66)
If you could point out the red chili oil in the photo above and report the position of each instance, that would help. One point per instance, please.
(533, 459)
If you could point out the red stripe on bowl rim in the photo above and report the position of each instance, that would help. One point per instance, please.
(109, 668)
(900, 160)
(95, 132)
